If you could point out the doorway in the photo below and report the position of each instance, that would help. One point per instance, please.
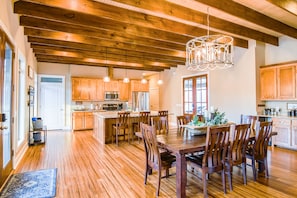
(6, 129)
(51, 101)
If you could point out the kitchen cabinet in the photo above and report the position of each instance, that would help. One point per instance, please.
(99, 89)
(124, 91)
(294, 134)
(286, 82)
(112, 85)
(82, 120)
(283, 129)
(278, 82)
(81, 89)
(268, 83)
(136, 85)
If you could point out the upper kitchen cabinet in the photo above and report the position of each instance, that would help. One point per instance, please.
(99, 89)
(278, 82)
(268, 83)
(124, 91)
(286, 83)
(81, 89)
(136, 85)
(112, 85)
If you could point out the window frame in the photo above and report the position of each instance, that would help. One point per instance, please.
(194, 94)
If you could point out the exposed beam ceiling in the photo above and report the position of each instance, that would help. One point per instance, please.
(145, 34)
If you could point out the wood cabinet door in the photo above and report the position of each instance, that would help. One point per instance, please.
(136, 85)
(99, 89)
(92, 89)
(268, 83)
(111, 86)
(78, 120)
(286, 82)
(283, 129)
(124, 91)
(89, 120)
(84, 89)
(294, 134)
(75, 88)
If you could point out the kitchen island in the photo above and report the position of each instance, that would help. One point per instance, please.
(103, 122)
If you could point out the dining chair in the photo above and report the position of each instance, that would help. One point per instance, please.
(161, 124)
(213, 158)
(249, 119)
(121, 128)
(163, 113)
(144, 117)
(154, 159)
(258, 150)
(239, 138)
(181, 120)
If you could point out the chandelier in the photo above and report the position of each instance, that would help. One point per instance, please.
(209, 52)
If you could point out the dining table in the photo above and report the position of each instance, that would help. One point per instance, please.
(181, 144)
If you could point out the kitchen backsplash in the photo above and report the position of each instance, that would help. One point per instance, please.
(283, 106)
(97, 105)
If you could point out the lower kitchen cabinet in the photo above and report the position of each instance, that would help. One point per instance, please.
(82, 120)
(283, 129)
(294, 134)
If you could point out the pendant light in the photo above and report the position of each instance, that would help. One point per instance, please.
(160, 81)
(209, 52)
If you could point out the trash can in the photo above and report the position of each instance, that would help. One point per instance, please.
(37, 123)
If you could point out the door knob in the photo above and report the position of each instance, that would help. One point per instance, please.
(3, 127)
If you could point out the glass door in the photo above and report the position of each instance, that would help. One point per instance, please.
(6, 62)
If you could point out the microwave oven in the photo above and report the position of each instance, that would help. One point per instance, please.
(111, 95)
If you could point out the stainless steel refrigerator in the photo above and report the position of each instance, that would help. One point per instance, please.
(140, 101)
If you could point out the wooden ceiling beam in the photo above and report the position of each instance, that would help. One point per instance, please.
(90, 12)
(288, 5)
(78, 61)
(251, 15)
(66, 37)
(110, 53)
(101, 57)
(97, 33)
(174, 10)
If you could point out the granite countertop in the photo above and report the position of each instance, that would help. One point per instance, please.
(114, 114)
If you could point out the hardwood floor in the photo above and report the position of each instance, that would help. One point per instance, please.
(88, 169)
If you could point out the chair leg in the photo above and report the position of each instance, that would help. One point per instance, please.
(229, 173)
(146, 173)
(204, 184)
(266, 168)
(117, 137)
(254, 169)
(243, 167)
(224, 181)
(159, 182)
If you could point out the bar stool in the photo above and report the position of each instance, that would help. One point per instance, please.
(144, 117)
(121, 126)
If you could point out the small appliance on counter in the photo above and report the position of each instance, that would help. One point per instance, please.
(112, 107)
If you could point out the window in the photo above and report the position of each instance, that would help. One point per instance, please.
(195, 92)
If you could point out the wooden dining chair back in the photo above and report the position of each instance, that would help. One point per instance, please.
(180, 121)
(163, 113)
(160, 123)
(189, 117)
(239, 138)
(249, 119)
(213, 159)
(258, 150)
(144, 117)
(154, 159)
(121, 128)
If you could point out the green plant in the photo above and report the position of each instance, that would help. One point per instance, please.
(217, 118)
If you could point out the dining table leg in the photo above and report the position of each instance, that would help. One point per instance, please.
(181, 175)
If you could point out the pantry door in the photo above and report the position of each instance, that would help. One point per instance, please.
(6, 70)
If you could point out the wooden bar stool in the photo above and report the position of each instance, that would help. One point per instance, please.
(121, 126)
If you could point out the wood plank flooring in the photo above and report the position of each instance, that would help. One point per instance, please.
(88, 169)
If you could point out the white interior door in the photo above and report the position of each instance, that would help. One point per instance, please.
(51, 101)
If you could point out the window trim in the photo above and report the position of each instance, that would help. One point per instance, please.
(193, 78)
